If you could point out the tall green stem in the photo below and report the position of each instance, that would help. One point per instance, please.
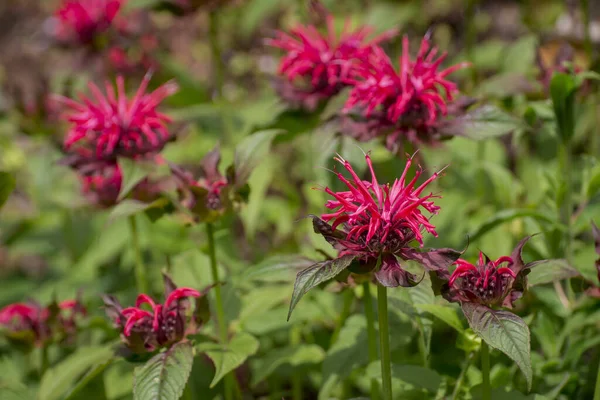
(461, 377)
(486, 387)
(44, 359)
(384, 342)
(597, 391)
(140, 270)
(564, 153)
(371, 334)
(295, 340)
(221, 322)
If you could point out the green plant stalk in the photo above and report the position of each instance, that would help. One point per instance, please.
(221, 322)
(597, 391)
(564, 153)
(486, 387)
(461, 377)
(384, 343)
(140, 270)
(423, 348)
(348, 296)
(371, 334)
(44, 363)
(295, 340)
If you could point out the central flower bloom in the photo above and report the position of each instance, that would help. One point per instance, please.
(372, 221)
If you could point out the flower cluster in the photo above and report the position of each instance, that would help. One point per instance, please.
(488, 282)
(110, 125)
(164, 324)
(405, 104)
(372, 221)
(318, 66)
(33, 324)
(81, 21)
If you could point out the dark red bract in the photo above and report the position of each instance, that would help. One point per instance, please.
(408, 102)
(81, 21)
(112, 125)
(317, 66)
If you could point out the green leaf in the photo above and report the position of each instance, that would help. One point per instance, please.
(66, 374)
(349, 351)
(562, 91)
(504, 331)
(547, 271)
(316, 274)
(276, 266)
(129, 207)
(250, 151)
(7, 185)
(165, 375)
(417, 376)
(87, 378)
(444, 313)
(228, 358)
(505, 216)
(294, 356)
(133, 172)
(482, 123)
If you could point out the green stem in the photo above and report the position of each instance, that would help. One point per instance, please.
(295, 340)
(461, 377)
(585, 9)
(423, 348)
(371, 334)
(44, 363)
(384, 342)
(140, 270)
(215, 48)
(470, 39)
(221, 322)
(597, 391)
(486, 387)
(564, 170)
(348, 295)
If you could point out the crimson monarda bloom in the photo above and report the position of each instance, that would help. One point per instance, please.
(371, 221)
(317, 66)
(33, 324)
(403, 104)
(81, 21)
(113, 125)
(160, 325)
(488, 282)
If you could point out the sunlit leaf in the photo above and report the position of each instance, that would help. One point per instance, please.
(444, 313)
(547, 271)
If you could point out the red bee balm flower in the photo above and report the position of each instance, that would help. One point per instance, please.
(408, 101)
(163, 325)
(83, 20)
(30, 322)
(115, 126)
(317, 66)
(488, 282)
(382, 220)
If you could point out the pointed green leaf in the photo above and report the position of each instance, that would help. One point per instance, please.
(504, 331)
(445, 313)
(87, 378)
(562, 91)
(66, 374)
(294, 356)
(505, 216)
(234, 354)
(249, 153)
(547, 271)
(129, 207)
(316, 274)
(7, 185)
(165, 375)
(482, 123)
(133, 172)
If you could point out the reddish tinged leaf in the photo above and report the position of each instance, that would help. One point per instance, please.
(433, 260)
(391, 273)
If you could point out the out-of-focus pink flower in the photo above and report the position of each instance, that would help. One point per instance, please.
(407, 103)
(81, 21)
(113, 125)
(30, 322)
(162, 325)
(371, 220)
(316, 66)
(128, 62)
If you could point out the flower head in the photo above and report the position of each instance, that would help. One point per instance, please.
(32, 323)
(113, 125)
(161, 325)
(406, 102)
(488, 282)
(371, 220)
(317, 66)
(81, 21)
